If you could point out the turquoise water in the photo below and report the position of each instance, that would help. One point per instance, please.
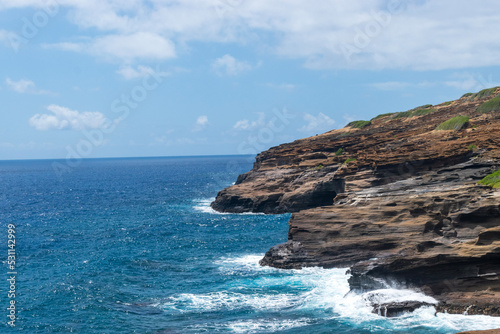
(132, 246)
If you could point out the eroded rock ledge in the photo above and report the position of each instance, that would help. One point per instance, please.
(408, 211)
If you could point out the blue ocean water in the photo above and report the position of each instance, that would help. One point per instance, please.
(132, 246)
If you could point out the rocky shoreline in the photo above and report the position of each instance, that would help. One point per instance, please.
(394, 199)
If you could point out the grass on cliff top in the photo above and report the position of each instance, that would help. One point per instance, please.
(492, 180)
(382, 115)
(491, 105)
(481, 94)
(359, 124)
(455, 123)
(419, 111)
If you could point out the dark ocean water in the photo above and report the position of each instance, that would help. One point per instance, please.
(132, 246)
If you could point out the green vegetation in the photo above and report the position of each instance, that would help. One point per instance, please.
(359, 124)
(481, 94)
(339, 152)
(492, 180)
(472, 148)
(491, 105)
(319, 167)
(447, 103)
(455, 123)
(382, 115)
(349, 160)
(419, 111)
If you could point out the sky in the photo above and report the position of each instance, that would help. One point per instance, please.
(109, 78)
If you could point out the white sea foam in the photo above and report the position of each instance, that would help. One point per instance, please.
(229, 301)
(246, 264)
(267, 325)
(203, 205)
(251, 326)
(309, 289)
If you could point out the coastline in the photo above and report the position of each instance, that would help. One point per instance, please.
(396, 199)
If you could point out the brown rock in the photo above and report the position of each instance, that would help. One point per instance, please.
(408, 210)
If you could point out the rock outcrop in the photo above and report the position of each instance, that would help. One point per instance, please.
(396, 200)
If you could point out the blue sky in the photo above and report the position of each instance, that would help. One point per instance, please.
(109, 78)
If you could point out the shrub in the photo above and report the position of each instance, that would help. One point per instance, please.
(419, 111)
(492, 180)
(382, 115)
(359, 124)
(472, 148)
(455, 123)
(481, 94)
(319, 167)
(447, 103)
(339, 152)
(491, 105)
(467, 95)
(349, 160)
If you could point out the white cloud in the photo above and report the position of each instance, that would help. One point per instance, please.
(64, 118)
(143, 45)
(124, 47)
(461, 81)
(21, 86)
(25, 86)
(201, 123)
(318, 123)
(246, 124)
(129, 72)
(228, 65)
(330, 34)
(471, 82)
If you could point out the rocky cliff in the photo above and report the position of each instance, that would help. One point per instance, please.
(396, 198)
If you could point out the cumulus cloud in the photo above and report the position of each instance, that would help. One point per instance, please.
(62, 118)
(461, 81)
(21, 86)
(318, 123)
(24, 86)
(471, 82)
(125, 47)
(201, 123)
(246, 124)
(228, 65)
(330, 34)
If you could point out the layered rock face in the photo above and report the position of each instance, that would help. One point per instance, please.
(407, 211)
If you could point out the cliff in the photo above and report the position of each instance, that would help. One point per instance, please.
(396, 198)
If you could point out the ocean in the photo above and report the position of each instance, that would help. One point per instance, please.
(132, 246)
